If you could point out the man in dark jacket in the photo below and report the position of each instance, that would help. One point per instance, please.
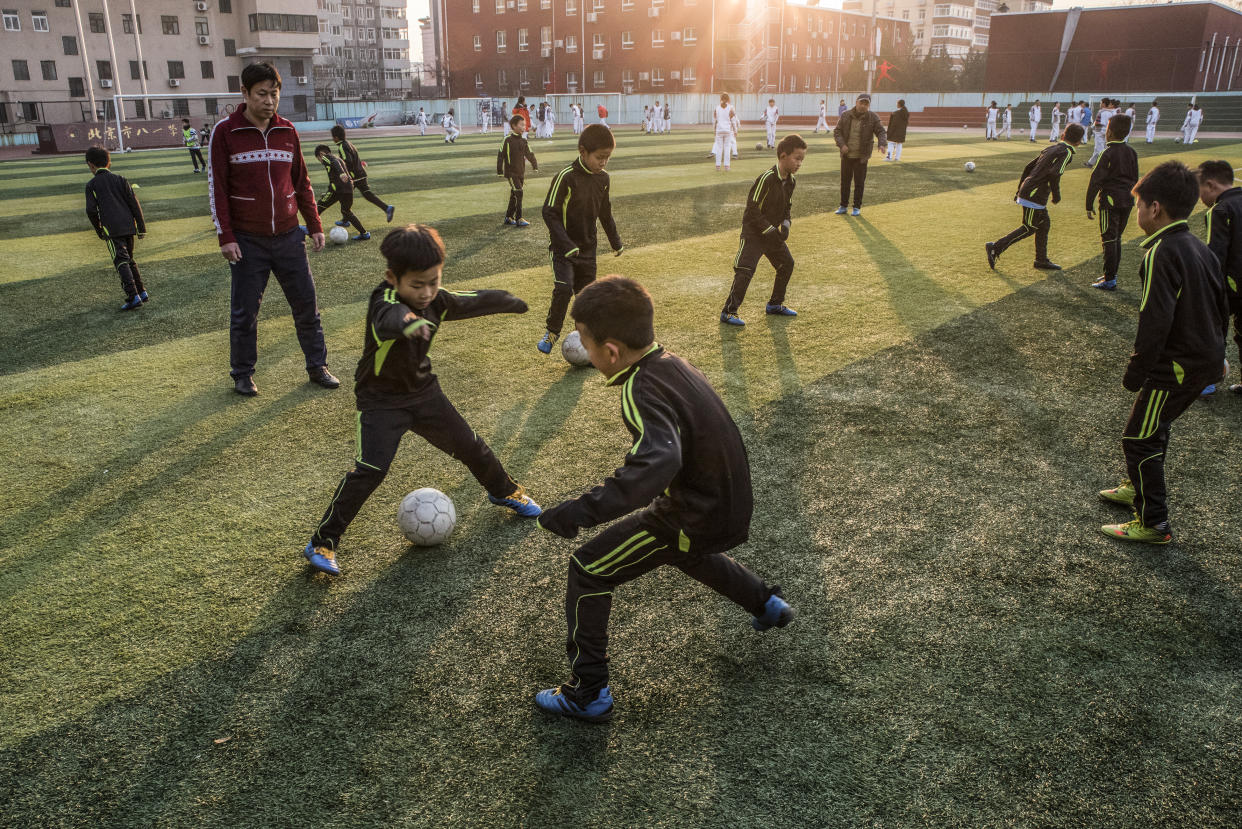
(258, 184)
(897, 123)
(854, 135)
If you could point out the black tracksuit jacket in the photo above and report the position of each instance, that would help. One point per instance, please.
(576, 199)
(1224, 230)
(1113, 178)
(768, 205)
(687, 462)
(1183, 313)
(511, 160)
(394, 371)
(353, 163)
(336, 167)
(1043, 174)
(112, 206)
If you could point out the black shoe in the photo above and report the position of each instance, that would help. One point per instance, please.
(1047, 265)
(323, 377)
(990, 247)
(1236, 388)
(245, 386)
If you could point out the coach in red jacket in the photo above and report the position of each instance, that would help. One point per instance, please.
(258, 183)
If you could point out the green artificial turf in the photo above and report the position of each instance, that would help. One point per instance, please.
(926, 442)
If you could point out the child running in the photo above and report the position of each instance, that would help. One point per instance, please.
(577, 199)
(1179, 347)
(340, 189)
(358, 172)
(397, 393)
(765, 230)
(684, 490)
(116, 216)
(1041, 177)
(511, 163)
(1113, 178)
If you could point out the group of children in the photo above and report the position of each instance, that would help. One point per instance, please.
(999, 123)
(1189, 290)
(656, 119)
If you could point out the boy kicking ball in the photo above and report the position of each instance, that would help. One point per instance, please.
(687, 475)
(1178, 350)
(397, 392)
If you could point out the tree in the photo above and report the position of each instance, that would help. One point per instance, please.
(855, 77)
(971, 77)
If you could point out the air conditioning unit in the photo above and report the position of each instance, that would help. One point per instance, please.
(597, 54)
(106, 83)
(653, 12)
(202, 7)
(174, 82)
(674, 75)
(545, 52)
(675, 35)
(300, 79)
(592, 17)
(643, 76)
(560, 44)
(165, 113)
(204, 40)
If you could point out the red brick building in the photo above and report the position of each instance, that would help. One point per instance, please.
(1180, 47)
(509, 47)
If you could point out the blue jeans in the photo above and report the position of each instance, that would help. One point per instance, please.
(285, 257)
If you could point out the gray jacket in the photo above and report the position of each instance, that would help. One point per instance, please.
(868, 122)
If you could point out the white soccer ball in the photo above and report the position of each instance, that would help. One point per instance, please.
(338, 235)
(574, 351)
(426, 516)
(970, 166)
(759, 145)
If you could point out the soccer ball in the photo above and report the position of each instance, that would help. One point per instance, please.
(970, 166)
(759, 145)
(426, 516)
(338, 235)
(573, 351)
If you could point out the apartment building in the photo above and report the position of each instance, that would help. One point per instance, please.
(947, 27)
(364, 49)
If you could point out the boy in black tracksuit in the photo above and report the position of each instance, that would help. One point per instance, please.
(397, 393)
(765, 229)
(511, 163)
(1178, 350)
(577, 198)
(358, 172)
(116, 216)
(340, 189)
(1113, 178)
(1224, 232)
(1041, 177)
(688, 476)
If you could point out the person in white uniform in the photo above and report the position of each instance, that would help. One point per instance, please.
(1195, 120)
(1153, 118)
(722, 119)
(1034, 114)
(1185, 127)
(450, 128)
(1058, 120)
(1100, 128)
(823, 116)
(1007, 122)
(991, 122)
(576, 109)
(485, 116)
(770, 116)
(1130, 115)
(421, 120)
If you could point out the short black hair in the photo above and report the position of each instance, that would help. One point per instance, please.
(616, 308)
(323, 148)
(1220, 172)
(901, 102)
(1119, 125)
(517, 121)
(789, 143)
(596, 137)
(185, 121)
(1173, 185)
(338, 132)
(257, 73)
(98, 156)
(412, 248)
(1073, 133)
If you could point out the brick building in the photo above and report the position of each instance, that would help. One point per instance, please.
(510, 47)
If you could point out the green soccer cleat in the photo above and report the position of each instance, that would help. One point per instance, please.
(1122, 494)
(1135, 531)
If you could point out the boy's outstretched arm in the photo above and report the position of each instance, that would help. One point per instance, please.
(460, 305)
(650, 466)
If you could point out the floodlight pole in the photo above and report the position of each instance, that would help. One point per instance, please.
(142, 74)
(876, 54)
(86, 62)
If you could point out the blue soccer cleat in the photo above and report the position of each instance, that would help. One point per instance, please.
(780, 311)
(840, 211)
(509, 221)
(519, 502)
(322, 559)
(363, 237)
(554, 702)
(1207, 392)
(133, 302)
(342, 223)
(776, 613)
(522, 223)
(1105, 284)
(546, 341)
(389, 211)
(731, 319)
(857, 211)
(144, 296)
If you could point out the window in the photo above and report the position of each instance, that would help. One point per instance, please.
(97, 23)
(225, 6)
(521, 5)
(284, 23)
(478, 43)
(545, 36)
(30, 111)
(103, 68)
(657, 77)
(13, 23)
(657, 4)
(687, 75)
(502, 38)
(69, 44)
(208, 69)
(230, 47)
(627, 40)
(523, 40)
(478, 79)
(627, 5)
(547, 76)
(346, 12)
(571, 43)
(793, 51)
(64, 4)
(500, 6)
(597, 40)
(170, 24)
(38, 22)
(201, 27)
(127, 24)
(627, 77)
(690, 36)
(523, 78)
(49, 69)
(502, 78)
(21, 70)
(571, 6)
(176, 69)
(905, 14)
(597, 79)
(180, 107)
(297, 66)
(234, 83)
(133, 70)
(571, 80)
(545, 4)
(77, 88)
(657, 38)
(597, 6)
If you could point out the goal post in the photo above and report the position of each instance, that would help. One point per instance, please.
(171, 106)
(590, 101)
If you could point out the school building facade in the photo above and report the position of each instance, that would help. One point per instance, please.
(506, 48)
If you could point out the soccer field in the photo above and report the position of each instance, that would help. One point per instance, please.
(926, 439)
